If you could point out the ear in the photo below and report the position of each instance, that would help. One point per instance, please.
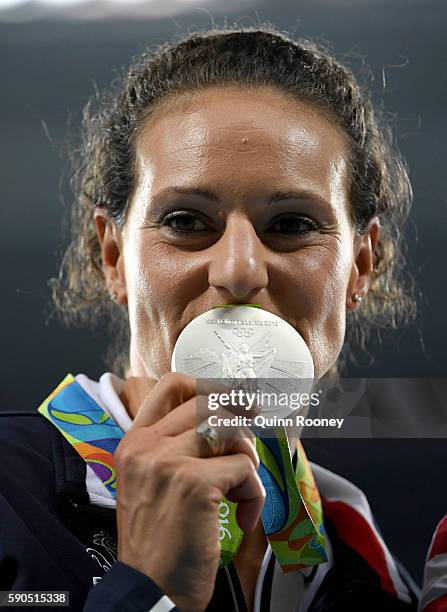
(110, 242)
(364, 248)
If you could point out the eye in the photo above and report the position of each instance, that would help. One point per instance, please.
(184, 222)
(293, 225)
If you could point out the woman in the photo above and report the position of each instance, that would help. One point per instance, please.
(233, 167)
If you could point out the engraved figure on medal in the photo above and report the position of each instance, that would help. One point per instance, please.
(244, 361)
(239, 361)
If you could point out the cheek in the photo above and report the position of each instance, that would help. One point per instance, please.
(159, 282)
(330, 271)
(321, 305)
(144, 282)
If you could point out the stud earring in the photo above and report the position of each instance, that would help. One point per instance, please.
(357, 297)
(113, 295)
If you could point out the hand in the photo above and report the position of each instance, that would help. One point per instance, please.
(169, 489)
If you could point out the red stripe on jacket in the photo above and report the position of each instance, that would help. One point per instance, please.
(439, 541)
(438, 605)
(355, 530)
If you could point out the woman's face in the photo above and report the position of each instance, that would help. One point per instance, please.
(240, 196)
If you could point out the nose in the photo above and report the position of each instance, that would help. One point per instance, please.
(238, 266)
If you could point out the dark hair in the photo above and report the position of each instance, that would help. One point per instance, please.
(241, 57)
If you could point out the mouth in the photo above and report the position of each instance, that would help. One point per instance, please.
(239, 304)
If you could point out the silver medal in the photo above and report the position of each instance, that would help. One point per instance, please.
(252, 346)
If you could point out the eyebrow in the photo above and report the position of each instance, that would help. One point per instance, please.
(208, 194)
(197, 191)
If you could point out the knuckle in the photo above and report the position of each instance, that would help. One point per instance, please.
(153, 466)
(262, 489)
(124, 457)
(252, 454)
(132, 452)
(168, 378)
(161, 465)
(247, 463)
(171, 380)
(187, 479)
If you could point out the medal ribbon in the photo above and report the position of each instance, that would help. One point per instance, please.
(292, 515)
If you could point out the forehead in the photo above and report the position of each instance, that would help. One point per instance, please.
(240, 139)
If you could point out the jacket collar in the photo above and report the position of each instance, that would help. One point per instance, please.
(69, 470)
(89, 430)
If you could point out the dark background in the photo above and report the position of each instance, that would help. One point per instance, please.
(48, 71)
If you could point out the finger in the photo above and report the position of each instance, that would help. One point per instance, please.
(170, 391)
(192, 444)
(236, 477)
(194, 411)
(191, 414)
(180, 419)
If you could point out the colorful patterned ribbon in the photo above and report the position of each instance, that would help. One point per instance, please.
(292, 515)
